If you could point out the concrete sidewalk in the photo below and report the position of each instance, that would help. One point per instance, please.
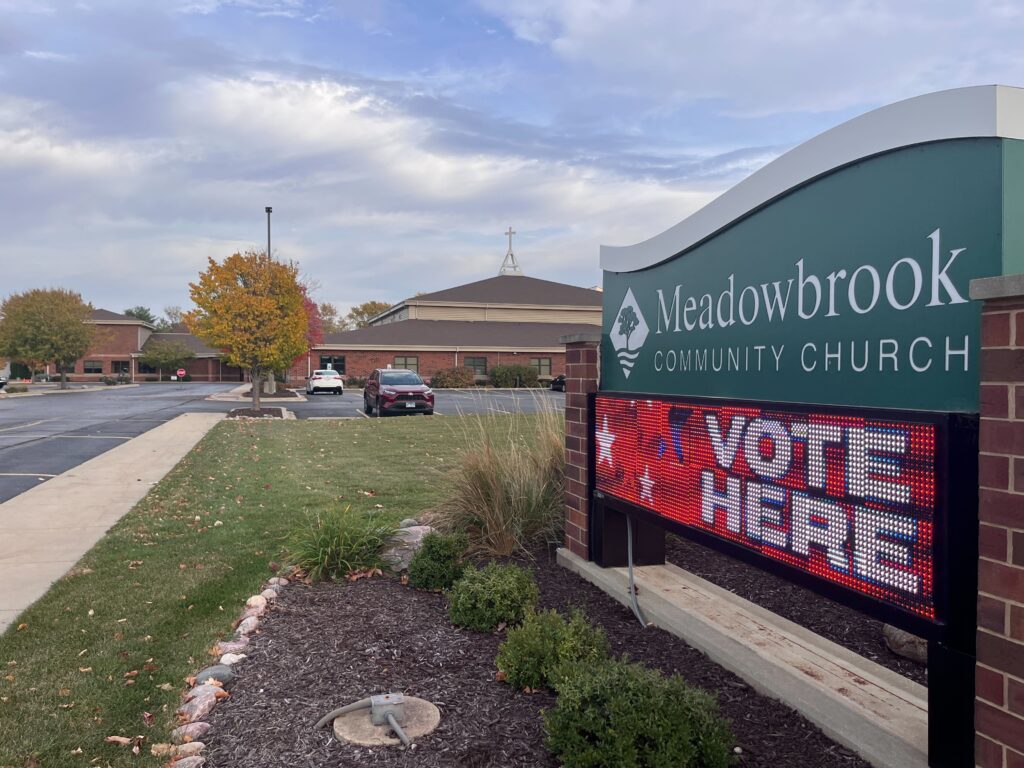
(47, 529)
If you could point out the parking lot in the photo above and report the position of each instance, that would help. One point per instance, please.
(41, 437)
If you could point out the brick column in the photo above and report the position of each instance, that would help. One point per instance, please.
(581, 378)
(999, 675)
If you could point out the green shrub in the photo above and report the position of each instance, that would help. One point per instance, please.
(514, 376)
(509, 486)
(486, 597)
(15, 388)
(454, 378)
(438, 563)
(622, 715)
(355, 382)
(546, 647)
(333, 543)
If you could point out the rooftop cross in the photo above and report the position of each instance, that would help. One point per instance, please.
(510, 266)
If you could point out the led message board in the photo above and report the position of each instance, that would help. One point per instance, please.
(839, 496)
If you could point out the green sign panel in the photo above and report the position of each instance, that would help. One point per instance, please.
(850, 290)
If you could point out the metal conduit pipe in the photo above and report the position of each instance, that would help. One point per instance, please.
(629, 562)
(329, 717)
(397, 729)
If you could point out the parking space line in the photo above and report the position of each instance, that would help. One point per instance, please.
(93, 437)
(26, 474)
(27, 424)
(361, 413)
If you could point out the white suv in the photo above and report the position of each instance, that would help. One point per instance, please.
(325, 380)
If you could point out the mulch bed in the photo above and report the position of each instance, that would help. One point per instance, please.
(252, 413)
(844, 626)
(327, 645)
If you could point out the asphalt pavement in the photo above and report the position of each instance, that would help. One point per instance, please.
(41, 437)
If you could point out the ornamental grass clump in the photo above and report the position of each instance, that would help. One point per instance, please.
(510, 483)
(439, 562)
(333, 543)
(487, 597)
(623, 715)
(546, 647)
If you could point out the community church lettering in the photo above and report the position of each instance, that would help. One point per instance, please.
(906, 283)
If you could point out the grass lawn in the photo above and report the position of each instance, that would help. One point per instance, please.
(114, 639)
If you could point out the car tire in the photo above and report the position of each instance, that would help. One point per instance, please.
(367, 408)
(337, 391)
(380, 411)
(428, 413)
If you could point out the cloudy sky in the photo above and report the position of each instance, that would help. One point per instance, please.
(396, 140)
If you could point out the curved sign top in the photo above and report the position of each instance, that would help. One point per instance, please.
(839, 273)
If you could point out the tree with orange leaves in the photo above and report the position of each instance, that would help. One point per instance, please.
(253, 309)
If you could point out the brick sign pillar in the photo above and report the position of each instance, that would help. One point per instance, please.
(581, 378)
(999, 675)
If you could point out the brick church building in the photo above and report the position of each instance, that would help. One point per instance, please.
(503, 320)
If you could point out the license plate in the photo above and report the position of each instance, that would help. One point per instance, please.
(410, 405)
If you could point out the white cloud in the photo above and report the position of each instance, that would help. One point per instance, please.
(49, 56)
(776, 56)
(364, 198)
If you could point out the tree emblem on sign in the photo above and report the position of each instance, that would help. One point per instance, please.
(628, 322)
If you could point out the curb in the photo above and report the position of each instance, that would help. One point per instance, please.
(5, 395)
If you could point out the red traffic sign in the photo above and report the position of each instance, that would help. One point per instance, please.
(181, 372)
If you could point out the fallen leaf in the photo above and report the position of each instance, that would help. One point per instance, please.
(133, 673)
(64, 692)
(148, 719)
(76, 751)
(124, 741)
(22, 627)
(166, 687)
(163, 750)
(85, 669)
(500, 676)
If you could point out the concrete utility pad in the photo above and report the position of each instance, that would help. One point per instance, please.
(879, 714)
(421, 717)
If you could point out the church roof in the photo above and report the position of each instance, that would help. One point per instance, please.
(514, 289)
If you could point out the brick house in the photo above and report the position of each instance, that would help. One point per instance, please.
(120, 341)
(503, 320)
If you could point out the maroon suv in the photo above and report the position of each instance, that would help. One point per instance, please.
(396, 390)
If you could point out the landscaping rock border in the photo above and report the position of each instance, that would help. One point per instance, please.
(208, 685)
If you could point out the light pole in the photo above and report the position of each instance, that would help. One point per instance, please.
(269, 211)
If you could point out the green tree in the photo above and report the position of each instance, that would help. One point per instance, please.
(359, 316)
(143, 313)
(253, 308)
(165, 354)
(42, 326)
(628, 321)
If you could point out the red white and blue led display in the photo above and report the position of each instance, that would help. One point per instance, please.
(842, 497)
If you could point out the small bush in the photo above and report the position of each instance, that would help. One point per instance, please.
(355, 381)
(331, 544)
(514, 376)
(622, 715)
(15, 388)
(438, 563)
(546, 647)
(110, 381)
(454, 378)
(495, 594)
(509, 489)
